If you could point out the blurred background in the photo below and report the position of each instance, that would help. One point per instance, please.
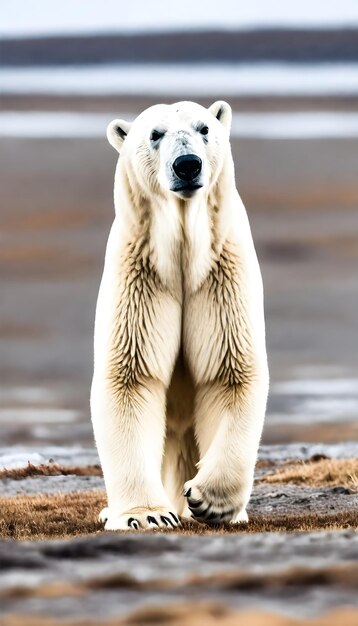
(290, 72)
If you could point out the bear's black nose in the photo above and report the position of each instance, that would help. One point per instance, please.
(187, 167)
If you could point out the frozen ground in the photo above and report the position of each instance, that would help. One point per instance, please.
(110, 571)
(108, 574)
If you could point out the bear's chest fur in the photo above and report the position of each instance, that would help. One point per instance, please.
(182, 245)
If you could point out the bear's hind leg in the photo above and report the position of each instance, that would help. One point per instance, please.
(179, 465)
(229, 422)
(180, 451)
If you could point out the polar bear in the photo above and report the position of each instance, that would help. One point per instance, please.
(180, 378)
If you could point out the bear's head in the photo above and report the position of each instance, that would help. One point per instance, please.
(178, 149)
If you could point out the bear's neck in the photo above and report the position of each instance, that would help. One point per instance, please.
(182, 239)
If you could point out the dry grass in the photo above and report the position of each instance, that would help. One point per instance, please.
(196, 615)
(322, 472)
(68, 515)
(54, 516)
(319, 471)
(51, 469)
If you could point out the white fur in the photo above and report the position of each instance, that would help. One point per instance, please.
(179, 333)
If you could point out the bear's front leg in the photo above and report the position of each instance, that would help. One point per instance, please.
(225, 347)
(129, 426)
(137, 335)
(229, 422)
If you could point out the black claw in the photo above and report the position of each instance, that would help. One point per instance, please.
(187, 494)
(133, 523)
(174, 517)
(194, 504)
(213, 516)
(152, 520)
(200, 513)
(167, 521)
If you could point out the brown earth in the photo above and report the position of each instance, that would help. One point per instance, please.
(196, 615)
(136, 104)
(310, 433)
(345, 576)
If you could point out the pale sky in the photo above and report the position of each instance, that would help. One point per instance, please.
(41, 17)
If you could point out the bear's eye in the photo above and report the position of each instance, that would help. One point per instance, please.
(204, 130)
(156, 135)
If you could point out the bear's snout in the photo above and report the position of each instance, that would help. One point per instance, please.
(187, 167)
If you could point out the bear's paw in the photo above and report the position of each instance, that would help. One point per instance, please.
(212, 509)
(139, 518)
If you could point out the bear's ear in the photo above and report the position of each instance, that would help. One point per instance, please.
(117, 131)
(222, 111)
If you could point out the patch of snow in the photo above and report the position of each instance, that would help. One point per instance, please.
(317, 387)
(32, 415)
(161, 79)
(20, 456)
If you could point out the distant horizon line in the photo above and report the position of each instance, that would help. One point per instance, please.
(170, 30)
(180, 45)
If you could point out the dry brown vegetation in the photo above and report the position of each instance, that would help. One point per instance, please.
(321, 473)
(51, 516)
(68, 515)
(51, 469)
(197, 615)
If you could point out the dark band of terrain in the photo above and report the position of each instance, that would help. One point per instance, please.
(268, 45)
